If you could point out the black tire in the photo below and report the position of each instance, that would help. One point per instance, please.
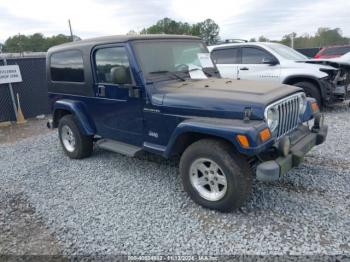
(311, 91)
(236, 169)
(83, 144)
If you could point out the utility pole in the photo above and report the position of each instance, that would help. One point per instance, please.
(20, 45)
(292, 40)
(70, 29)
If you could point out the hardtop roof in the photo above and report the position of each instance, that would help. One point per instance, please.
(117, 39)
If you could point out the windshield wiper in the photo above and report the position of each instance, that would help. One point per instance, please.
(168, 73)
(202, 69)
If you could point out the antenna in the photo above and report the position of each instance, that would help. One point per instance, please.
(71, 31)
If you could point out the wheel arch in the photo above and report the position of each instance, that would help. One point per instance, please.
(58, 114)
(77, 109)
(192, 130)
(292, 80)
(184, 140)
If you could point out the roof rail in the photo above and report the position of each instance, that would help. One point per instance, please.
(233, 40)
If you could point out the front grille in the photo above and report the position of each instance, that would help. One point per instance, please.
(288, 115)
(288, 110)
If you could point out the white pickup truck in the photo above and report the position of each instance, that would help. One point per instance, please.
(326, 80)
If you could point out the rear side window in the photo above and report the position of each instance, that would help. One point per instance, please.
(225, 56)
(112, 66)
(336, 50)
(67, 66)
(251, 55)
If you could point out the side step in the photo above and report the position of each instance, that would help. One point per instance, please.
(118, 147)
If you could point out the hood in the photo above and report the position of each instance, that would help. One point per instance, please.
(311, 65)
(307, 67)
(216, 96)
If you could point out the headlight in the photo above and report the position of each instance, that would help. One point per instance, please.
(302, 103)
(272, 118)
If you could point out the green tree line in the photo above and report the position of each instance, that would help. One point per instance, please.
(208, 30)
(33, 43)
(323, 37)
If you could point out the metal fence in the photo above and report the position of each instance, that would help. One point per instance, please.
(32, 90)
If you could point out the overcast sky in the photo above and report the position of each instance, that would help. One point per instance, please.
(236, 18)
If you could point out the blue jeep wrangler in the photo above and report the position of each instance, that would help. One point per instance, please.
(162, 94)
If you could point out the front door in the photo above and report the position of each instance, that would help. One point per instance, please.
(226, 60)
(253, 66)
(118, 105)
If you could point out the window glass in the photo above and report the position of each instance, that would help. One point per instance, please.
(170, 56)
(112, 66)
(337, 50)
(67, 66)
(251, 55)
(225, 56)
(286, 52)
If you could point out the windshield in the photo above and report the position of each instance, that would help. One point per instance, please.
(161, 56)
(287, 52)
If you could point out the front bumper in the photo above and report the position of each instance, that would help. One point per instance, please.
(342, 91)
(332, 93)
(302, 141)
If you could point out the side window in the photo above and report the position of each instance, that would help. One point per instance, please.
(343, 50)
(67, 66)
(225, 56)
(251, 55)
(336, 50)
(112, 66)
(332, 51)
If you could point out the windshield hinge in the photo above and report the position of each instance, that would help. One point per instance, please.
(247, 114)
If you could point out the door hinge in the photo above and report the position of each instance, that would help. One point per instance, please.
(101, 90)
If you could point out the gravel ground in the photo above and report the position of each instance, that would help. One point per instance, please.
(22, 231)
(111, 204)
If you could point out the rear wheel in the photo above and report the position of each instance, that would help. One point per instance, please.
(215, 176)
(75, 144)
(311, 91)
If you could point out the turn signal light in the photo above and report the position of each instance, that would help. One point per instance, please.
(265, 134)
(243, 140)
(314, 107)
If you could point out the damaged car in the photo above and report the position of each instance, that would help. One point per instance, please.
(341, 76)
(325, 80)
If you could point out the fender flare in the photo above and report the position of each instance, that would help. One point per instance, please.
(226, 129)
(76, 108)
(312, 78)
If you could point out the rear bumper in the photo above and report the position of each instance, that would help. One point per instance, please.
(302, 141)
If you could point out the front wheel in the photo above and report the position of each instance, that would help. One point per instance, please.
(215, 176)
(75, 144)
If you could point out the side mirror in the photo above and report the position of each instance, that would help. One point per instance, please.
(120, 75)
(270, 61)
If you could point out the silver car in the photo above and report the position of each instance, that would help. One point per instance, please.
(325, 80)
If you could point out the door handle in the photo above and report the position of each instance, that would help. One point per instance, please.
(244, 68)
(101, 90)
